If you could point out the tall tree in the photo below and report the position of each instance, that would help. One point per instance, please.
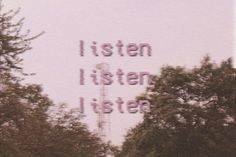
(27, 129)
(192, 114)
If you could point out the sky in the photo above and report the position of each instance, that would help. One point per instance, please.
(180, 32)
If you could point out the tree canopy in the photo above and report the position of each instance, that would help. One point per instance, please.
(28, 129)
(192, 114)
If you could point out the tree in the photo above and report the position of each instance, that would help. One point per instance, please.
(192, 114)
(12, 41)
(22, 109)
(27, 129)
(68, 137)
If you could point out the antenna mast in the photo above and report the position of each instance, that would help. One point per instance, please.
(103, 123)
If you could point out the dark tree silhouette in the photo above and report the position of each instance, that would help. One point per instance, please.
(28, 129)
(192, 114)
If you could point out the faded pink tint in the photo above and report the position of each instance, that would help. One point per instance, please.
(180, 32)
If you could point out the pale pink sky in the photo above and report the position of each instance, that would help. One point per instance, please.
(181, 32)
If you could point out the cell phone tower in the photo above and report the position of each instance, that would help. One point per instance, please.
(103, 122)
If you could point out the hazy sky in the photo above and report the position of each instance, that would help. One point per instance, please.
(181, 32)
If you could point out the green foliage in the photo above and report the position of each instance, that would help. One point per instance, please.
(192, 114)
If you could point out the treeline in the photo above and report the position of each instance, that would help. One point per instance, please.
(192, 111)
